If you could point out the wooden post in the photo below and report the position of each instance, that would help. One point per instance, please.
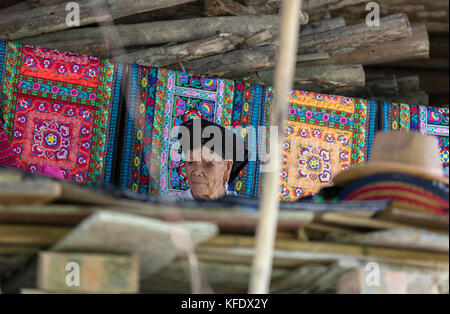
(266, 229)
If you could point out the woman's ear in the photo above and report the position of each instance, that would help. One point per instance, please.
(228, 167)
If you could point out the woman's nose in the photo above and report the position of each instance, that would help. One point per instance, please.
(197, 171)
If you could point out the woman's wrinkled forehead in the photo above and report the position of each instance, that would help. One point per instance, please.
(202, 153)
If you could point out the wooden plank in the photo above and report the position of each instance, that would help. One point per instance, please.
(362, 222)
(240, 255)
(47, 19)
(17, 249)
(98, 273)
(407, 257)
(281, 257)
(222, 277)
(56, 214)
(415, 218)
(411, 239)
(30, 235)
(391, 281)
(298, 279)
(150, 239)
(228, 219)
(16, 190)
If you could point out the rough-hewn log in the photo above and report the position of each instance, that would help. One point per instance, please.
(435, 14)
(188, 10)
(409, 48)
(83, 47)
(322, 26)
(328, 5)
(234, 63)
(310, 6)
(224, 7)
(162, 56)
(349, 38)
(52, 18)
(379, 86)
(408, 84)
(162, 32)
(321, 78)
(214, 45)
(20, 6)
(257, 39)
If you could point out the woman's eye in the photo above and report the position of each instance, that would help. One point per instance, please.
(209, 164)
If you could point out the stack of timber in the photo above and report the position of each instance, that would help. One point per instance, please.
(197, 247)
(237, 39)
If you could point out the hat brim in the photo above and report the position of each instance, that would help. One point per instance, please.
(347, 176)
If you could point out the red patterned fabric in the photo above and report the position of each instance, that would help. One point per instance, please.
(7, 155)
(61, 111)
(53, 131)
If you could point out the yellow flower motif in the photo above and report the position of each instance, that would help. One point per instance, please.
(394, 125)
(246, 106)
(137, 161)
(238, 185)
(244, 132)
(144, 82)
(139, 135)
(51, 139)
(134, 187)
(142, 108)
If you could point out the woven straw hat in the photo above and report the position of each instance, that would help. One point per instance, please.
(404, 152)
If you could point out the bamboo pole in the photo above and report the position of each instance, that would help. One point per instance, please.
(284, 75)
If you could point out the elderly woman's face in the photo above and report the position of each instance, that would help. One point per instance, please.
(206, 173)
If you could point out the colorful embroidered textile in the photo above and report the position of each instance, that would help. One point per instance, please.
(159, 101)
(61, 109)
(423, 119)
(324, 135)
(7, 155)
(408, 192)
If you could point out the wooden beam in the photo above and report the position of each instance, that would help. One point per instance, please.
(406, 257)
(270, 196)
(47, 19)
(320, 78)
(31, 235)
(163, 56)
(411, 47)
(16, 191)
(228, 219)
(224, 7)
(162, 32)
(348, 38)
